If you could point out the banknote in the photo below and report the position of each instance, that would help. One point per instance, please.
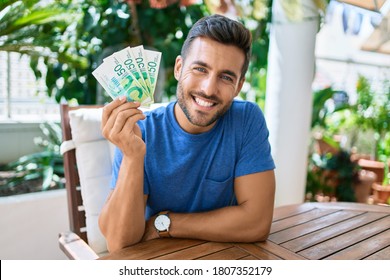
(132, 71)
(127, 58)
(153, 59)
(117, 81)
(139, 55)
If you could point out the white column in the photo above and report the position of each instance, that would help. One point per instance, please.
(288, 105)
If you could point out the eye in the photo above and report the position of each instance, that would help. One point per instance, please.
(227, 78)
(200, 69)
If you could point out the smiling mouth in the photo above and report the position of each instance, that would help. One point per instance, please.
(203, 103)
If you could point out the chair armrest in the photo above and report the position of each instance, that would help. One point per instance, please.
(75, 248)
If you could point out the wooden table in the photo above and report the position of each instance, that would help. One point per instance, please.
(304, 231)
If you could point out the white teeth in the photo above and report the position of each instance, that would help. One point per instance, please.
(203, 103)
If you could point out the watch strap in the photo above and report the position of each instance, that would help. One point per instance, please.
(164, 234)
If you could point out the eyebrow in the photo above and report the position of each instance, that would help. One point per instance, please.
(204, 64)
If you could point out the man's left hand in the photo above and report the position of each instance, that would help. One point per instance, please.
(150, 230)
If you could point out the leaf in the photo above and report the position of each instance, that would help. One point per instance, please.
(34, 18)
(48, 172)
(319, 99)
(39, 17)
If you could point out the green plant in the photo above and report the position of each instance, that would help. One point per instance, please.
(372, 112)
(331, 172)
(384, 156)
(38, 171)
(386, 176)
(332, 175)
(103, 25)
(39, 29)
(325, 104)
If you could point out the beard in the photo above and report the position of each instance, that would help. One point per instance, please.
(196, 117)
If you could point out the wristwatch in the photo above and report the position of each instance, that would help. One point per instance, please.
(162, 223)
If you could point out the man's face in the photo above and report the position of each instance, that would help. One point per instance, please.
(208, 80)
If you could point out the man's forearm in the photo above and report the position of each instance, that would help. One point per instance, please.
(229, 224)
(249, 221)
(122, 219)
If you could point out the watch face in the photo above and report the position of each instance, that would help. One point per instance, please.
(162, 222)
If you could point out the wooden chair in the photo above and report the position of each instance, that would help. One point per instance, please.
(75, 242)
(87, 162)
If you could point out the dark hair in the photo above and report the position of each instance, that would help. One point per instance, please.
(223, 30)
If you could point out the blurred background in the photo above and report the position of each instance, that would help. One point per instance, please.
(320, 72)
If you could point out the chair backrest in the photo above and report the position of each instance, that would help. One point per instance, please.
(76, 210)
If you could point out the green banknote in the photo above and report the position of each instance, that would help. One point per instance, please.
(139, 56)
(153, 59)
(131, 72)
(117, 81)
(127, 58)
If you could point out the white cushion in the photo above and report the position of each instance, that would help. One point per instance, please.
(94, 156)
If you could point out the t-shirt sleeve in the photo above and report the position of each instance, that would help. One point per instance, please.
(116, 164)
(255, 152)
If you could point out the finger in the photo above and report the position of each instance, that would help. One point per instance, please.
(114, 105)
(107, 109)
(131, 122)
(121, 119)
(109, 120)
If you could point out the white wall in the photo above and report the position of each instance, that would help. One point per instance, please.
(30, 224)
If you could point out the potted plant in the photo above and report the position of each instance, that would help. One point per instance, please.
(333, 174)
(371, 113)
(381, 189)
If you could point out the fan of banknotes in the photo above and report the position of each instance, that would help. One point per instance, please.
(131, 72)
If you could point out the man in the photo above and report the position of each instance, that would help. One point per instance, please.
(201, 167)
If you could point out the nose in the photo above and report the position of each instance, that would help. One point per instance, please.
(209, 85)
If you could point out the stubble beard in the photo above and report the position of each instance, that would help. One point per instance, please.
(198, 118)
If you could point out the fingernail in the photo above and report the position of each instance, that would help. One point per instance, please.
(122, 97)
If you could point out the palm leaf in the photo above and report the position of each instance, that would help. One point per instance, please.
(40, 17)
(44, 16)
(36, 29)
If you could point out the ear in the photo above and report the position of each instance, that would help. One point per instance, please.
(239, 87)
(178, 67)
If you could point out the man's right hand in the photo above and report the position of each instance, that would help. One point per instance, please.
(119, 126)
(122, 219)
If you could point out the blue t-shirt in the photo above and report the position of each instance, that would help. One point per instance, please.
(186, 172)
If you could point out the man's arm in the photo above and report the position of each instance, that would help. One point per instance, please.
(122, 219)
(249, 221)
